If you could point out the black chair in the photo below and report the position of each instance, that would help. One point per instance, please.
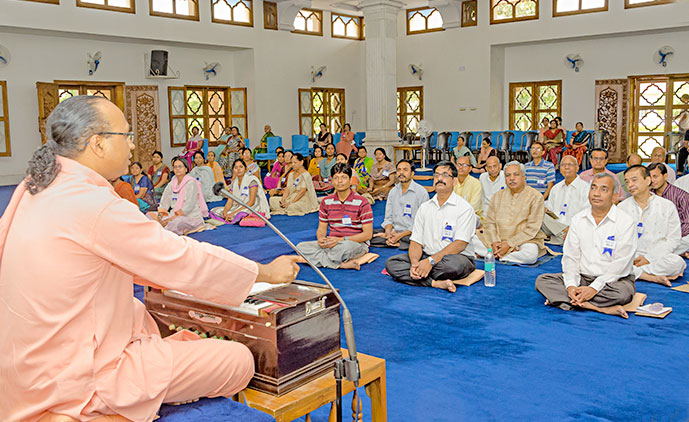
(504, 148)
(441, 147)
(523, 155)
(408, 138)
(596, 139)
(468, 137)
(479, 141)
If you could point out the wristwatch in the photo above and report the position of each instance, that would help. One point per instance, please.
(431, 260)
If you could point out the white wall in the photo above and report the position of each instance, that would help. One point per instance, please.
(49, 42)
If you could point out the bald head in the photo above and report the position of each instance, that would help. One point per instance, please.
(493, 167)
(658, 155)
(633, 159)
(569, 166)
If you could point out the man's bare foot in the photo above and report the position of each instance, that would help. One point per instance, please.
(658, 279)
(685, 255)
(547, 302)
(352, 264)
(616, 310)
(472, 278)
(444, 284)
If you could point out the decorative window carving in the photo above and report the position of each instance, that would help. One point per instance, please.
(424, 19)
(469, 13)
(575, 7)
(234, 12)
(5, 150)
(128, 6)
(309, 21)
(628, 4)
(321, 105)
(530, 102)
(270, 15)
(503, 11)
(346, 26)
(409, 109)
(180, 9)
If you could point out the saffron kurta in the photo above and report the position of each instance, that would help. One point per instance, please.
(79, 343)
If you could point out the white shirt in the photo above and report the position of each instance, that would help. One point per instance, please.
(566, 201)
(401, 208)
(658, 228)
(682, 182)
(491, 187)
(605, 251)
(436, 227)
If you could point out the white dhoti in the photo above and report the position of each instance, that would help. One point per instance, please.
(683, 245)
(668, 265)
(555, 229)
(527, 253)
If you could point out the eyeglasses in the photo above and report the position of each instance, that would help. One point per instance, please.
(443, 175)
(598, 158)
(463, 165)
(568, 165)
(129, 135)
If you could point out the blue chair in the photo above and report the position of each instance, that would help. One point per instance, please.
(336, 138)
(359, 138)
(273, 142)
(300, 144)
(247, 143)
(205, 147)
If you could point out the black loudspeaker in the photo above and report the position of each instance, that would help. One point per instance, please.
(158, 63)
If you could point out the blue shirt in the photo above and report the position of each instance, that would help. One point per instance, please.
(538, 176)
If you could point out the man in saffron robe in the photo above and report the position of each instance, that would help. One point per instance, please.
(81, 347)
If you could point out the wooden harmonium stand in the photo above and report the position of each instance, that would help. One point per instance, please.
(292, 330)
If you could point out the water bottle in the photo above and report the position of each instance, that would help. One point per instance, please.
(489, 267)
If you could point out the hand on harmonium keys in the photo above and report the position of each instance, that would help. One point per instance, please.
(283, 269)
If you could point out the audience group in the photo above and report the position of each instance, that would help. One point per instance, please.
(615, 229)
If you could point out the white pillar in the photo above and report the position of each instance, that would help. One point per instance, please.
(380, 18)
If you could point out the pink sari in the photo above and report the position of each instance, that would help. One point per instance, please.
(195, 143)
(272, 180)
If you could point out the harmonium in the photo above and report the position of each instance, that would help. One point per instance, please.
(293, 330)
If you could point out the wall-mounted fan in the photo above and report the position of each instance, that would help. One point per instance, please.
(317, 73)
(211, 69)
(4, 56)
(663, 55)
(416, 70)
(574, 62)
(94, 61)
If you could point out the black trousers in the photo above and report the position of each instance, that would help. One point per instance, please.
(379, 242)
(451, 267)
(682, 155)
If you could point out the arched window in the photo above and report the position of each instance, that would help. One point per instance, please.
(234, 12)
(346, 26)
(309, 21)
(424, 19)
(502, 11)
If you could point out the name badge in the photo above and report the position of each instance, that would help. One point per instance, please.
(639, 229)
(175, 196)
(296, 182)
(326, 180)
(407, 210)
(198, 179)
(346, 220)
(563, 210)
(386, 173)
(541, 182)
(159, 172)
(448, 233)
(502, 187)
(609, 246)
(282, 180)
(245, 191)
(137, 188)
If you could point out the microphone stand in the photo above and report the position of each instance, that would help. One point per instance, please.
(347, 368)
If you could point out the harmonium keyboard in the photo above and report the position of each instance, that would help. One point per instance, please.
(292, 330)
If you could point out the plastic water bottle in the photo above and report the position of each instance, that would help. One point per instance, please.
(489, 267)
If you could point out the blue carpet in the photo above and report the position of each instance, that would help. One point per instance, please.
(497, 354)
(208, 410)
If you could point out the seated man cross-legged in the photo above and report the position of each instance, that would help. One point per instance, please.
(400, 209)
(440, 251)
(658, 230)
(567, 198)
(598, 256)
(512, 223)
(350, 219)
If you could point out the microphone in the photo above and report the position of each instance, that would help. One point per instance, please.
(351, 364)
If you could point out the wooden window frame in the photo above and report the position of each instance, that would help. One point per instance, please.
(174, 15)
(580, 11)
(6, 120)
(326, 116)
(130, 9)
(360, 24)
(270, 7)
(535, 110)
(318, 13)
(82, 86)
(232, 22)
(45, 1)
(494, 21)
(402, 115)
(654, 3)
(424, 31)
(466, 23)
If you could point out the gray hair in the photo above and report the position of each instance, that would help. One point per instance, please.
(68, 127)
(615, 183)
(518, 164)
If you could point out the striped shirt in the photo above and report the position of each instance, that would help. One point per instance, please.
(345, 218)
(680, 198)
(539, 175)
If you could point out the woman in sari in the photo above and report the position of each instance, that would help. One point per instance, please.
(263, 143)
(346, 145)
(315, 163)
(324, 137)
(204, 175)
(286, 170)
(182, 208)
(382, 175)
(362, 167)
(545, 124)
(486, 152)
(231, 143)
(462, 151)
(159, 174)
(579, 143)
(554, 142)
(249, 189)
(355, 181)
(195, 143)
(217, 170)
(251, 165)
(272, 179)
(143, 188)
(328, 162)
(299, 196)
